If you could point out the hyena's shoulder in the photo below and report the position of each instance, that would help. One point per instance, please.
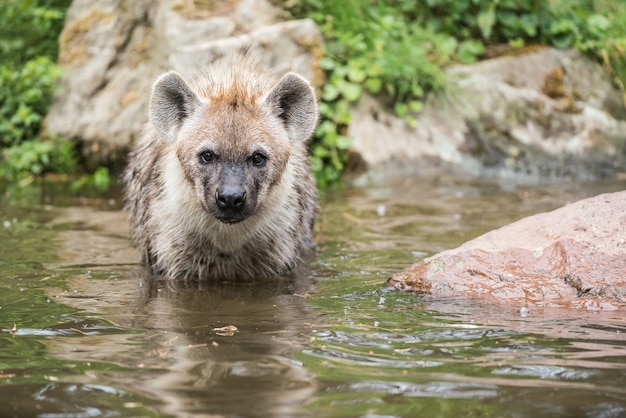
(143, 179)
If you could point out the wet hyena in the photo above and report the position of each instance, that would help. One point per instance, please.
(219, 183)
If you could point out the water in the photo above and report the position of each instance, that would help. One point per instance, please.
(85, 334)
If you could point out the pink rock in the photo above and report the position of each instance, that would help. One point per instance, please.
(574, 256)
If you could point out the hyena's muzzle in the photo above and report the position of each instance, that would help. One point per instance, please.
(234, 198)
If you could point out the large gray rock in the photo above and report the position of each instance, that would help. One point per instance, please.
(546, 113)
(112, 50)
(572, 257)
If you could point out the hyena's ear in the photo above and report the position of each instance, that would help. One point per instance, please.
(172, 101)
(293, 101)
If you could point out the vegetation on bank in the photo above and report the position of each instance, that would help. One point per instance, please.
(394, 49)
(28, 76)
(397, 49)
(29, 31)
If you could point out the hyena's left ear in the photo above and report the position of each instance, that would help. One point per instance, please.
(293, 100)
(172, 101)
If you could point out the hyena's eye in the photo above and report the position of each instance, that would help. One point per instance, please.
(258, 159)
(207, 157)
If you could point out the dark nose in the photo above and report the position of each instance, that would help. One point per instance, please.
(230, 198)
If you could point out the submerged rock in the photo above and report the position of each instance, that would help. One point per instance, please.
(574, 256)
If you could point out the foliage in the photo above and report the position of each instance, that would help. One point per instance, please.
(28, 78)
(397, 49)
(26, 93)
(559, 23)
(372, 48)
(30, 28)
(611, 48)
(100, 179)
(34, 157)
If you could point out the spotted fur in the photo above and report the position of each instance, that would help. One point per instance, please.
(228, 131)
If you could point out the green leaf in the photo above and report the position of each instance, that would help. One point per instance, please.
(401, 109)
(355, 73)
(417, 90)
(343, 142)
(352, 92)
(102, 178)
(373, 85)
(320, 152)
(486, 20)
(342, 112)
(325, 109)
(529, 23)
(416, 105)
(330, 93)
(563, 33)
(327, 63)
(447, 46)
(316, 163)
(325, 127)
(470, 50)
(598, 23)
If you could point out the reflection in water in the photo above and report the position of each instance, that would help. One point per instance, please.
(94, 337)
(195, 347)
(225, 348)
(230, 348)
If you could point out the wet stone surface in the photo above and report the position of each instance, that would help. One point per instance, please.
(572, 257)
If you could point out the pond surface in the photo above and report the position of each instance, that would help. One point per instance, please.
(85, 334)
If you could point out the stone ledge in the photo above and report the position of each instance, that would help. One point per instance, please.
(572, 257)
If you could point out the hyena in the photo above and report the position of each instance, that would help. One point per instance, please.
(219, 184)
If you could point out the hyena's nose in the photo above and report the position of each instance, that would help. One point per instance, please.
(230, 198)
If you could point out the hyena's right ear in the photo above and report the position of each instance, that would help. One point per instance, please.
(293, 100)
(172, 101)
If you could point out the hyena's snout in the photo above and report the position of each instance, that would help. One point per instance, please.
(231, 204)
(233, 199)
(230, 199)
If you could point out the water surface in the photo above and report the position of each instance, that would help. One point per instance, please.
(86, 334)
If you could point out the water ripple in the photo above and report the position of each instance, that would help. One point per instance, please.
(368, 359)
(544, 372)
(459, 390)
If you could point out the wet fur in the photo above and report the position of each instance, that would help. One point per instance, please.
(234, 109)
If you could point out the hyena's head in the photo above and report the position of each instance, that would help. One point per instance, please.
(233, 138)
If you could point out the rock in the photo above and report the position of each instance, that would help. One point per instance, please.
(574, 256)
(548, 113)
(112, 50)
(545, 113)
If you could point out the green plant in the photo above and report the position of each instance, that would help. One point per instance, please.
(100, 179)
(34, 157)
(371, 47)
(397, 49)
(26, 94)
(30, 28)
(609, 42)
(28, 77)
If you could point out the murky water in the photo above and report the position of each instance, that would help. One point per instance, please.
(85, 334)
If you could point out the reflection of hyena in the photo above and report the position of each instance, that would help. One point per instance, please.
(219, 184)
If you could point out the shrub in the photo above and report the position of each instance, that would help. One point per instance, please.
(25, 98)
(34, 157)
(397, 49)
(28, 76)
